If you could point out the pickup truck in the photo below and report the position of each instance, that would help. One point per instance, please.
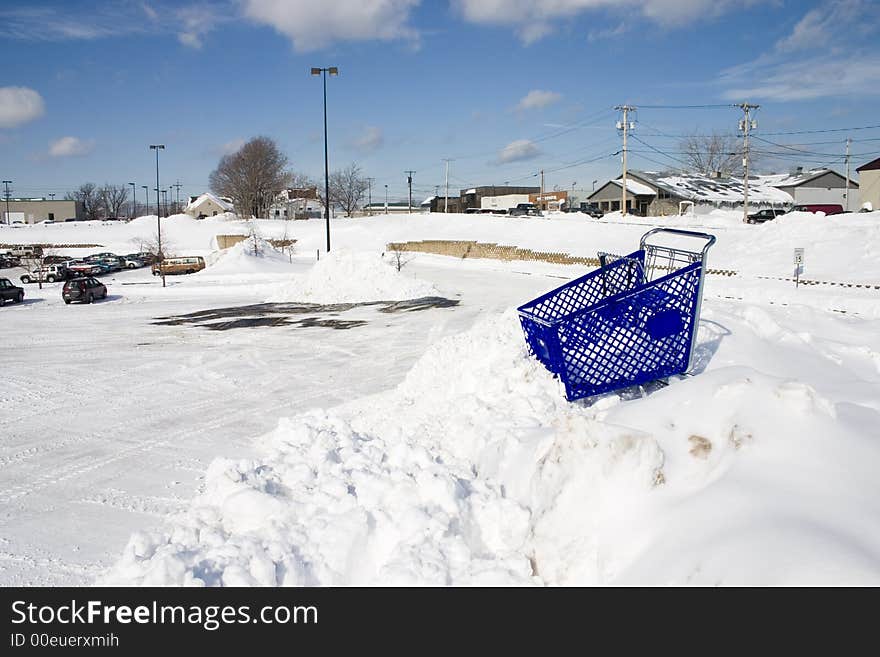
(9, 292)
(525, 209)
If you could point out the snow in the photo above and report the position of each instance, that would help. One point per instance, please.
(344, 276)
(635, 187)
(195, 205)
(428, 447)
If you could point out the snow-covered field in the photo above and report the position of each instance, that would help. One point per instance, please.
(400, 444)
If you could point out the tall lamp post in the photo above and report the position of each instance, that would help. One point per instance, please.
(386, 199)
(7, 183)
(133, 199)
(157, 148)
(332, 70)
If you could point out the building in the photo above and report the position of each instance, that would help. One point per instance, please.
(35, 210)
(550, 201)
(869, 185)
(208, 205)
(470, 198)
(439, 204)
(658, 194)
(296, 203)
(816, 186)
(395, 207)
(503, 202)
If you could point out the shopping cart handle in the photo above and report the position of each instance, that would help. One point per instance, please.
(710, 239)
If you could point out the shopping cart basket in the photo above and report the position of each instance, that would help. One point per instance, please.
(631, 321)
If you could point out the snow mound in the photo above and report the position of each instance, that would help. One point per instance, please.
(252, 256)
(730, 477)
(344, 276)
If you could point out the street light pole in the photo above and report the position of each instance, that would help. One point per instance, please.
(386, 199)
(133, 199)
(332, 70)
(7, 183)
(157, 148)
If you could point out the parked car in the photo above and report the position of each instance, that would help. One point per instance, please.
(144, 256)
(47, 274)
(7, 262)
(85, 290)
(524, 209)
(131, 262)
(9, 292)
(184, 265)
(112, 264)
(56, 260)
(26, 251)
(767, 214)
(78, 267)
(95, 257)
(827, 208)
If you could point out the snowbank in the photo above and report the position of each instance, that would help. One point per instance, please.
(345, 276)
(736, 476)
(252, 256)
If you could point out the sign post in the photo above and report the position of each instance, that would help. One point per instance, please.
(798, 265)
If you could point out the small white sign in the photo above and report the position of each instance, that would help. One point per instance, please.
(799, 256)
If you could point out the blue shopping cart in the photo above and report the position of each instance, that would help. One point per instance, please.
(631, 321)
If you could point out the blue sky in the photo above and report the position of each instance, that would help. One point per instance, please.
(503, 87)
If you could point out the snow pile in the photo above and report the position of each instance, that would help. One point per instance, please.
(251, 256)
(345, 276)
(735, 476)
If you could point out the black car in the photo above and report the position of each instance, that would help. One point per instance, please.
(85, 290)
(8, 262)
(764, 215)
(9, 292)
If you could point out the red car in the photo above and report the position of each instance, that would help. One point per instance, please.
(85, 290)
(827, 208)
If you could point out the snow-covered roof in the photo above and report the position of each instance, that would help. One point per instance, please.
(700, 188)
(635, 187)
(208, 196)
(471, 191)
(796, 179)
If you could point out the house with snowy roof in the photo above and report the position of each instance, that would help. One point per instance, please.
(657, 194)
(208, 205)
(869, 180)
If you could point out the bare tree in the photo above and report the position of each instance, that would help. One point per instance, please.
(347, 187)
(708, 154)
(252, 176)
(89, 195)
(151, 245)
(113, 198)
(399, 260)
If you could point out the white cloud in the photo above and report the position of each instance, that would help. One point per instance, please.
(312, 25)
(537, 99)
(811, 61)
(18, 105)
(518, 150)
(71, 147)
(805, 79)
(198, 21)
(535, 19)
(821, 26)
(371, 140)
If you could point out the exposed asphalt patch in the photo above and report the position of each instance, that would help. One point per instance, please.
(284, 314)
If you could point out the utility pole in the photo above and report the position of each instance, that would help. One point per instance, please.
(7, 183)
(541, 195)
(386, 199)
(625, 125)
(848, 142)
(746, 124)
(409, 175)
(160, 256)
(178, 186)
(446, 196)
(370, 182)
